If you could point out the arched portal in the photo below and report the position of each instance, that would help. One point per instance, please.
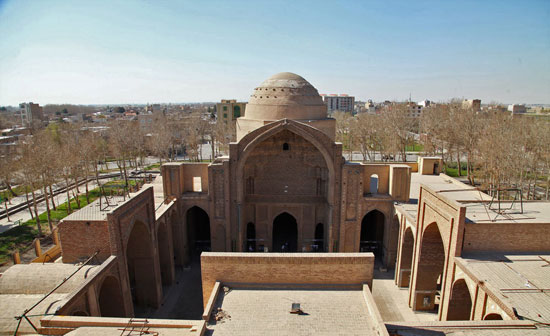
(493, 316)
(430, 269)
(372, 233)
(111, 303)
(250, 237)
(285, 233)
(164, 245)
(286, 165)
(319, 241)
(198, 230)
(460, 304)
(141, 266)
(405, 261)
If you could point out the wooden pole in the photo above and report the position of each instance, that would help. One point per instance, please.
(37, 248)
(16, 257)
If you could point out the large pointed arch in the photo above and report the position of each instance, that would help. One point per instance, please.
(406, 257)
(285, 233)
(372, 233)
(317, 138)
(140, 261)
(460, 302)
(430, 277)
(165, 250)
(198, 230)
(111, 302)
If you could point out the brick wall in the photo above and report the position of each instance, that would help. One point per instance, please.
(508, 237)
(80, 239)
(289, 268)
(191, 170)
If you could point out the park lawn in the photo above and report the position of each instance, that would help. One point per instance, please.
(415, 148)
(21, 237)
(19, 190)
(453, 172)
(154, 166)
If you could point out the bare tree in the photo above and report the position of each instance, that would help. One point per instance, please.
(161, 138)
(344, 132)
(223, 134)
(31, 174)
(125, 141)
(399, 128)
(8, 170)
(367, 133)
(468, 126)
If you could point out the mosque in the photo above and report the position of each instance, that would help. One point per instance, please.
(285, 185)
(289, 238)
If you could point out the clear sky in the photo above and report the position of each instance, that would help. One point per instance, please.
(94, 51)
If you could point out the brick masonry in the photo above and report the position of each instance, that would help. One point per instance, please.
(285, 268)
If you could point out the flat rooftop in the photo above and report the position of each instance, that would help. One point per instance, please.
(107, 326)
(533, 212)
(410, 210)
(452, 188)
(519, 280)
(477, 203)
(158, 195)
(466, 328)
(23, 285)
(98, 209)
(253, 312)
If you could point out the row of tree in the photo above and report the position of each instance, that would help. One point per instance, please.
(73, 153)
(498, 150)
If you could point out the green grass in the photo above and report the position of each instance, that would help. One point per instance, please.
(415, 148)
(104, 171)
(154, 166)
(21, 237)
(453, 172)
(19, 190)
(117, 184)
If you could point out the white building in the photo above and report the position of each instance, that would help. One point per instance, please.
(341, 102)
(29, 112)
(369, 106)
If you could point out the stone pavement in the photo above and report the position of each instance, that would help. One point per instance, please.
(183, 300)
(392, 301)
(267, 312)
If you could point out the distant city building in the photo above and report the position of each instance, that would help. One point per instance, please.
(495, 109)
(370, 107)
(474, 104)
(415, 110)
(517, 108)
(146, 121)
(229, 110)
(341, 102)
(425, 103)
(30, 112)
(9, 139)
(155, 108)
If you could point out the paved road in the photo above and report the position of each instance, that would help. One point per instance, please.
(411, 157)
(149, 160)
(24, 215)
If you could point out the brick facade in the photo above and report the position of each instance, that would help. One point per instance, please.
(285, 269)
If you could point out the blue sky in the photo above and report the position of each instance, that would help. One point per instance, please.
(86, 52)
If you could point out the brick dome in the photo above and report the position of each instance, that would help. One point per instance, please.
(285, 95)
